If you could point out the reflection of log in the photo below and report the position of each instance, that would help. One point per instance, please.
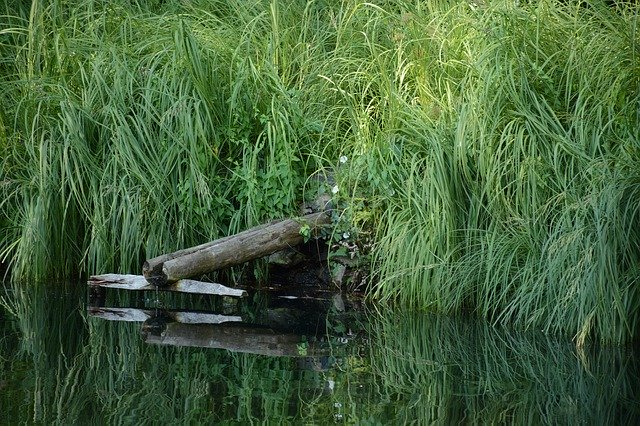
(235, 338)
(138, 282)
(141, 315)
(243, 247)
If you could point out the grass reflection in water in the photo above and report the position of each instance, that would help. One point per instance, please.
(459, 370)
(61, 367)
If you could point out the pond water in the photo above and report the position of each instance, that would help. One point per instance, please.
(277, 360)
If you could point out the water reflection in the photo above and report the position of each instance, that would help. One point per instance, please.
(461, 370)
(62, 365)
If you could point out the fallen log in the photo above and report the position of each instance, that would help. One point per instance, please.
(152, 268)
(138, 282)
(233, 250)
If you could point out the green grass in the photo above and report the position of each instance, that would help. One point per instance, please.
(144, 133)
(492, 149)
(520, 202)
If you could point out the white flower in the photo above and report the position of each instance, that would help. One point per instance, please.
(331, 384)
(335, 189)
(346, 235)
(343, 159)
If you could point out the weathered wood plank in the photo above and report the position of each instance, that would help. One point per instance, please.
(138, 282)
(141, 315)
(243, 247)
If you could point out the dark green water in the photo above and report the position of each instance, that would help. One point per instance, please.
(60, 365)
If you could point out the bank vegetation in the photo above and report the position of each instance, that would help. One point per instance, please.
(489, 151)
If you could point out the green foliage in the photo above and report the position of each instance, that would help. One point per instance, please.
(137, 134)
(492, 146)
(518, 188)
(305, 231)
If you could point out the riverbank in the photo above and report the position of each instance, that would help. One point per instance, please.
(486, 156)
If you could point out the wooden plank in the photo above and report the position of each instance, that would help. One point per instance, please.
(236, 338)
(125, 282)
(139, 283)
(243, 247)
(141, 315)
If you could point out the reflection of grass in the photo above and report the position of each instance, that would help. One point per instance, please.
(67, 368)
(44, 355)
(75, 368)
(447, 370)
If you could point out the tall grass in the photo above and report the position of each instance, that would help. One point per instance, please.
(519, 202)
(492, 148)
(141, 133)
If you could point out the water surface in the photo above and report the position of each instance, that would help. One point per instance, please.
(303, 363)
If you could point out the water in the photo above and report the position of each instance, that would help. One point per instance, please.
(61, 365)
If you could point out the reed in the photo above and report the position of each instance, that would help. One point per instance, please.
(519, 201)
(127, 147)
(492, 147)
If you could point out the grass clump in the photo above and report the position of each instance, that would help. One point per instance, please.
(140, 133)
(520, 201)
(492, 146)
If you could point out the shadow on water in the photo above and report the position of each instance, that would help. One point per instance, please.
(295, 361)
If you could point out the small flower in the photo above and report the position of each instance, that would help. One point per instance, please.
(343, 159)
(331, 384)
(335, 189)
(346, 235)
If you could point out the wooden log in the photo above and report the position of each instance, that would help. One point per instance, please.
(141, 315)
(236, 338)
(152, 268)
(243, 247)
(138, 282)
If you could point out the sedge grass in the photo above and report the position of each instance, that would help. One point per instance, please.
(518, 205)
(136, 140)
(493, 147)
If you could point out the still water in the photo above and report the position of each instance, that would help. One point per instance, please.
(276, 360)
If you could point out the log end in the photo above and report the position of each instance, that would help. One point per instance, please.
(146, 268)
(154, 274)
